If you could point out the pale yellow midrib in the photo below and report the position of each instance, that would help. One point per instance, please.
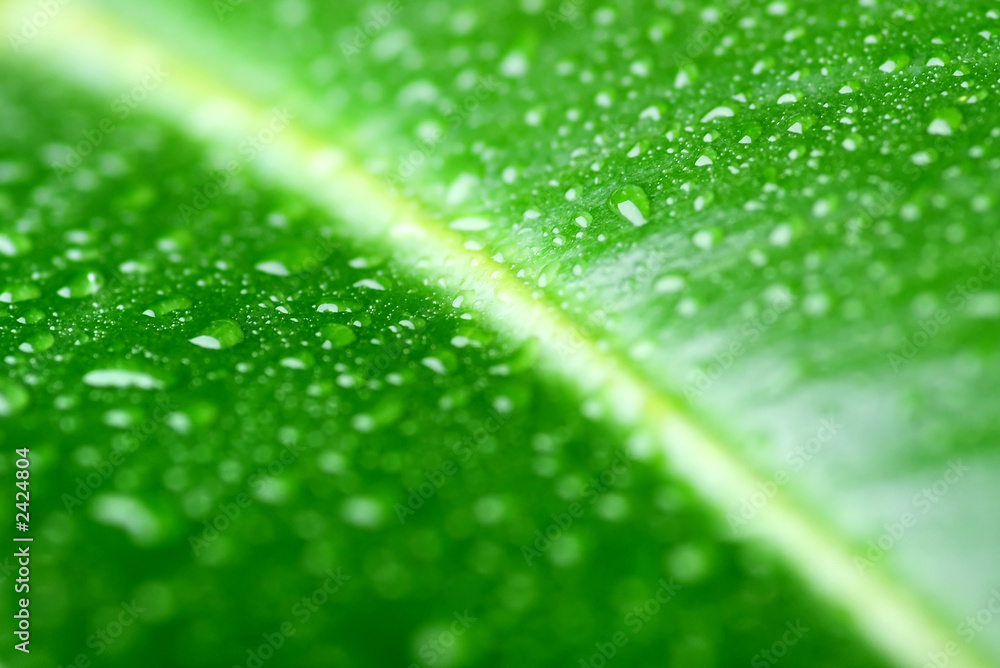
(304, 163)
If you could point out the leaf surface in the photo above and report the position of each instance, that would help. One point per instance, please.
(485, 255)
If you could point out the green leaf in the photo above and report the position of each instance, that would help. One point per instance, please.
(451, 333)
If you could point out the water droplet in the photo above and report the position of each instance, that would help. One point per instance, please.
(221, 334)
(945, 122)
(362, 511)
(13, 397)
(14, 243)
(129, 514)
(669, 284)
(470, 224)
(706, 239)
(434, 364)
(781, 235)
(122, 378)
(294, 363)
(82, 284)
(31, 316)
(632, 203)
(37, 343)
(337, 336)
(939, 126)
(19, 292)
(168, 305)
(369, 283)
(688, 563)
(718, 112)
(273, 267)
(338, 306)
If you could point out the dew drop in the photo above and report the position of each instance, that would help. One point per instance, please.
(82, 284)
(470, 224)
(13, 397)
(14, 243)
(168, 305)
(221, 334)
(718, 112)
(632, 204)
(128, 514)
(274, 268)
(122, 378)
(669, 284)
(337, 336)
(369, 283)
(19, 292)
(434, 364)
(362, 511)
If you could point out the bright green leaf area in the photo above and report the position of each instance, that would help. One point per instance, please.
(503, 334)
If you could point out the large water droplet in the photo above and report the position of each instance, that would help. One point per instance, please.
(167, 305)
(37, 343)
(337, 336)
(19, 292)
(82, 284)
(221, 334)
(14, 243)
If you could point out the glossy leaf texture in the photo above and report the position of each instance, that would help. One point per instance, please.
(524, 333)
